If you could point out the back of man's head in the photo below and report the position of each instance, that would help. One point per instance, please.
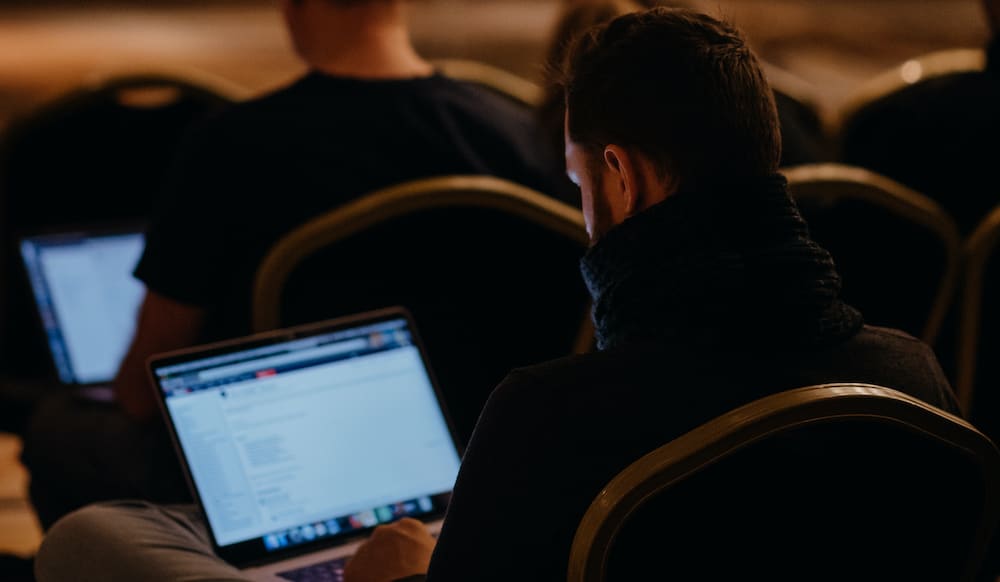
(680, 87)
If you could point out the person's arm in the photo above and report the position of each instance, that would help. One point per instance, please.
(505, 515)
(164, 325)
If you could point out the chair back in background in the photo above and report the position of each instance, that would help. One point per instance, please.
(920, 69)
(804, 132)
(488, 268)
(897, 251)
(98, 156)
(978, 362)
(931, 124)
(831, 482)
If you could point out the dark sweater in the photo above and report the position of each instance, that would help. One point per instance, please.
(704, 303)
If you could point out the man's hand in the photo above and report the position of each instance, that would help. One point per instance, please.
(394, 551)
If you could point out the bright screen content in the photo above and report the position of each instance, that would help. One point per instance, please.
(88, 300)
(310, 434)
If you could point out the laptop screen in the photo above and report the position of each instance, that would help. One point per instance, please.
(312, 437)
(87, 298)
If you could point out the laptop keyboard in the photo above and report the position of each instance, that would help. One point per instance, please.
(331, 571)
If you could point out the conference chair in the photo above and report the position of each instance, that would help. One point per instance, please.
(830, 482)
(897, 251)
(804, 128)
(931, 124)
(979, 328)
(488, 268)
(921, 69)
(96, 155)
(495, 79)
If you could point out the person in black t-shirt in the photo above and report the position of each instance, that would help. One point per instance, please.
(369, 113)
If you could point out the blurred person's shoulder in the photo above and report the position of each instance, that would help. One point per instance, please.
(479, 97)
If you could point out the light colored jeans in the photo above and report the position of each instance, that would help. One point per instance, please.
(131, 541)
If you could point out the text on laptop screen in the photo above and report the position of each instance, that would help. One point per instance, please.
(88, 300)
(312, 436)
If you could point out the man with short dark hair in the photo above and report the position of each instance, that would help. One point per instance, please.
(370, 112)
(708, 293)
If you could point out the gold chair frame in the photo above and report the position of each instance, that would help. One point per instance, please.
(191, 76)
(132, 88)
(504, 82)
(399, 200)
(836, 181)
(125, 80)
(979, 247)
(910, 72)
(731, 432)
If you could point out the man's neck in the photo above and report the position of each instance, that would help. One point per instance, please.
(368, 41)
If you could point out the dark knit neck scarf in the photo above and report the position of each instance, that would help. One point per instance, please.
(730, 266)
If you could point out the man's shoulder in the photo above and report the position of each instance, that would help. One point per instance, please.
(877, 337)
(256, 106)
(581, 373)
(896, 359)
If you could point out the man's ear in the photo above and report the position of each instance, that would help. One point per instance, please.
(624, 166)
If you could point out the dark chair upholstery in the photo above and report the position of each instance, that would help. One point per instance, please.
(95, 156)
(835, 482)
(488, 269)
(804, 134)
(978, 376)
(897, 251)
(931, 124)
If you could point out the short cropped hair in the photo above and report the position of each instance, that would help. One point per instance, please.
(679, 86)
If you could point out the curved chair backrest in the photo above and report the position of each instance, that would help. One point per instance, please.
(930, 124)
(979, 327)
(831, 482)
(96, 155)
(804, 133)
(99, 152)
(801, 92)
(917, 70)
(495, 79)
(899, 252)
(488, 268)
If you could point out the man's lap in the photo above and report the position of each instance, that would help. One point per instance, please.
(131, 540)
(101, 453)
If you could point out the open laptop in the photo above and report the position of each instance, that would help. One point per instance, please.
(87, 300)
(297, 443)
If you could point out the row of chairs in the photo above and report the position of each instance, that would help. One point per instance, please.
(907, 280)
(468, 292)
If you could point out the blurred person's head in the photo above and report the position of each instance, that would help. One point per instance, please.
(363, 38)
(661, 100)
